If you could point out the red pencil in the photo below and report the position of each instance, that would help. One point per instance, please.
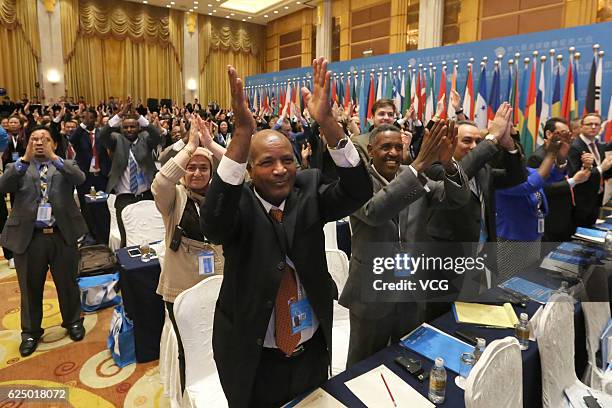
(388, 390)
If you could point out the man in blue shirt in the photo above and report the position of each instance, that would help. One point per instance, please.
(42, 231)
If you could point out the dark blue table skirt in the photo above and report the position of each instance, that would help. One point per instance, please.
(532, 375)
(145, 307)
(98, 218)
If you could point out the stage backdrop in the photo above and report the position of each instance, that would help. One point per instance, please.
(581, 38)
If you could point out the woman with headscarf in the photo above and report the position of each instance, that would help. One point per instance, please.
(179, 190)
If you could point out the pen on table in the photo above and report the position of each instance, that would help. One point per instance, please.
(388, 390)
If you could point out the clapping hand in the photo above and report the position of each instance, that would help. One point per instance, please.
(447, 147)
(432, 146)
(243, 119)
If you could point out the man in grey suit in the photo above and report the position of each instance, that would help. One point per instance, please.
(131, 148)
(395, 215)
(42, 231)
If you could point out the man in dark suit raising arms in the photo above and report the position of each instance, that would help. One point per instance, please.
(586, 152)
(273, 242)
(559, 223)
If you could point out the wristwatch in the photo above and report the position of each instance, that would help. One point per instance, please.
(492, 138)
(340, 145)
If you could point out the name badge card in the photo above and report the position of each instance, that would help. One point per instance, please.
(301, 315)
(206, 263)
(44, 213)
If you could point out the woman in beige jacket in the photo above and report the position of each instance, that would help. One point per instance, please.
(179, 189)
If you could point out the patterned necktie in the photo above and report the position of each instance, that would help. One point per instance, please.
(94, 151)
(43, 182)
(287, 293)
(133, 174)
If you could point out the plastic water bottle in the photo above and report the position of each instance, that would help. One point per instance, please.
(608, 241)
(480, 347)
(522, 331)
(92, 192)
(437, 382)
(564, 288)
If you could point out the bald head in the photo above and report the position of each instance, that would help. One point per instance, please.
(266, 138)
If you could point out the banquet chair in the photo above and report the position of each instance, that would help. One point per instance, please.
(596, 318)
(331, 235)
(202, 386)
(497, 378)
(556, 346)
(142, 222)
(114, 238)
(338, 266)
(168, 364)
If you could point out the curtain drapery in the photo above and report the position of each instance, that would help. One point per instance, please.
(19, 47)
(222, 43)
(119, 48)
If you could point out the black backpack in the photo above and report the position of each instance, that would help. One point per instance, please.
(97, 260)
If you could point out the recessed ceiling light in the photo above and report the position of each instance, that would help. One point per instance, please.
(297, 2)
(249, 17)
(195, 7)
(265, 16)
(210, 14)
(286, 7)
(275, 11)
(210, 5)
(172, 3)
(195, 2)
(191, 10)
(232, 14)
(167, 5)
(144, 1)
(244, 19)
(214, 11)
(226, 16)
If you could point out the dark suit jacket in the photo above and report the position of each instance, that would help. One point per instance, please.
(7, 156)
(81, 144)
(397, 209)
(463, 224)
(587, 196)
(19, 228)
(559, 222)
(234, 217)
(119, 147)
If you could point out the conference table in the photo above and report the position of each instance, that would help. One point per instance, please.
(99, 217)
(532, 375)
(138, 281)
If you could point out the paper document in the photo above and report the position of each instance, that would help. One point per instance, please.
(371, 390)
(536, 292)
(590, 235)
(430, 342)
(576, 393)
(319, 398)
(489, 315)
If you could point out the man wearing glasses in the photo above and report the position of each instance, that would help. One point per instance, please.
(588, 153)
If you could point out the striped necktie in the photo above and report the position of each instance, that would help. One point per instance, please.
(43, 182)
(133, 174)
(287, 293)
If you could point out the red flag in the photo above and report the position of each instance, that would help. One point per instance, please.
(347, 93)
(568, 94)
(417, 96)
(371, 97)
(442, 92)
(334, 96)
(423, 97)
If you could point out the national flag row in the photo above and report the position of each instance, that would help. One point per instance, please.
(536, 90)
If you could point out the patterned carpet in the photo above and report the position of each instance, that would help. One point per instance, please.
(86, 367)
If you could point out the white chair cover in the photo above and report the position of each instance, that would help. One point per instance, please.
(114, 238)
(556, 346)
(168, 364)
(202, 386)
(338, 266)
(331, 235)
(596, 317)
(497, 378)
(142, 222)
